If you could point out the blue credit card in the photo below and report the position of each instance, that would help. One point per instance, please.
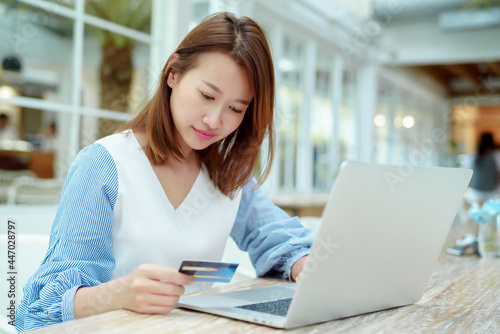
(208, 271)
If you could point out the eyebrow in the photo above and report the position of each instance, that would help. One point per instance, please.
(218, 90)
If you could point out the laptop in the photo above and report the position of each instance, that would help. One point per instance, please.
(382, 231)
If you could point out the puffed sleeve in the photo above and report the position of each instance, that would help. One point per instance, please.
(80, 248)
(273, 239)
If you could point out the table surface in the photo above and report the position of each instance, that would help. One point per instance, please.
(462, 296)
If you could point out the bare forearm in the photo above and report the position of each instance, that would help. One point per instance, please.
(97, 299)
(150, 288)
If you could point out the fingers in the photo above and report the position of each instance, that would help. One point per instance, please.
(146, 285)
(163, 273)
(153, 303)
(159, 300)
(297, 267)
(154, 288)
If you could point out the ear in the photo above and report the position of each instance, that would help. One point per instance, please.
(173, 74)
(172, 78)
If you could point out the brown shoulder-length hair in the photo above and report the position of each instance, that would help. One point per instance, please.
(230, 162)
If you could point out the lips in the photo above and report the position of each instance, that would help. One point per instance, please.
(203, 134)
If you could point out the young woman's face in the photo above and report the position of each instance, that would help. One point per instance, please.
(209, 101)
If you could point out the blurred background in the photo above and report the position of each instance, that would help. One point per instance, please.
(405, 82)
(384, 81)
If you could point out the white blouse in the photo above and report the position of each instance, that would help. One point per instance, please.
(178, 233)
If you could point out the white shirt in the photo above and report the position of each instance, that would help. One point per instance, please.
(178, 234)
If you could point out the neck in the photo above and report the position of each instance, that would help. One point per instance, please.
(189, 156)
(188, 161)
(187, 152)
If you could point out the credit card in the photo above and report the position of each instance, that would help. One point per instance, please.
(208, 271)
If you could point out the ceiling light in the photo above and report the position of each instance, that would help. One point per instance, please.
(408, 122)
(379, 120)
(286, 65)
(7, 92)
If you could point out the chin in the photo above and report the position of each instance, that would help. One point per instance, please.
(200, 146)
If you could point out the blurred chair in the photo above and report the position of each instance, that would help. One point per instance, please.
(7, 178)
(33, 190)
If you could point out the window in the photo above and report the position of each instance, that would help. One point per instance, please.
(347, 117)
(289, 101)
(85, 71)
(322, 123)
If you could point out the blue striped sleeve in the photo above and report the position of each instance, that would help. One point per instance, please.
(273, 239)
(80, 248)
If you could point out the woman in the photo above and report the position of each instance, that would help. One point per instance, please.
(173, 185)
(484, 182)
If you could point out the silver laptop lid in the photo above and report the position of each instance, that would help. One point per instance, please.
(381, 234)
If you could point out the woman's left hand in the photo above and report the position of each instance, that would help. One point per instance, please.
(297, 268)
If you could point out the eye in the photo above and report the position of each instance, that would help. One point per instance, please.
(236, 110)
(206, 96)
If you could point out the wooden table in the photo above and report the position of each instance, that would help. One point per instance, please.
(463, 296)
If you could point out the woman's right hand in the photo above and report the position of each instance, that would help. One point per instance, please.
(150, 288)
(153, 288)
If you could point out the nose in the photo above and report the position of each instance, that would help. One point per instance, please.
(213, 117)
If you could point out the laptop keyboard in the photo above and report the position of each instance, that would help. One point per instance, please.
(276, 307)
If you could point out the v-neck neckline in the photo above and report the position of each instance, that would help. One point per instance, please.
(157, 180)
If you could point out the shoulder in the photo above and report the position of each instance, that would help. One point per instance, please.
(253, 192)
(92, 163)
(95, 153)
(116, 141)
